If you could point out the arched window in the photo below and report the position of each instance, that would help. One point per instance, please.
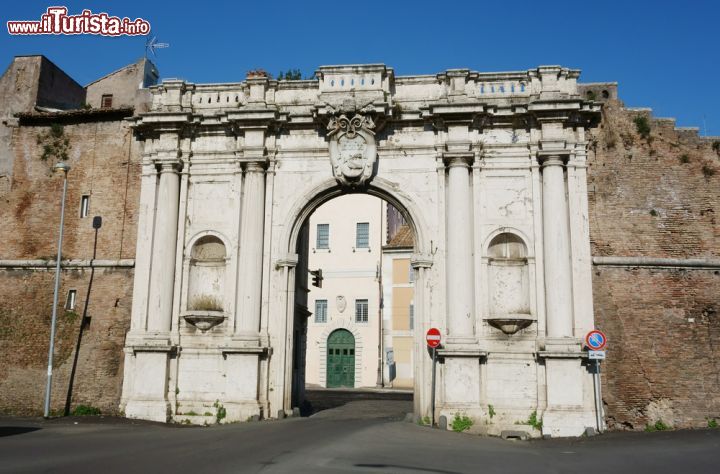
(508, 276)
(207, 275)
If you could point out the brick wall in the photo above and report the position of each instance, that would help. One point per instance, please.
(105, 165)
(656, 198)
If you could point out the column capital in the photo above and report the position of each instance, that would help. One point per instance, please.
(290, 261)
(168, 163)
(552, 158)
(462, 159)
(255, 167)
(421, 261)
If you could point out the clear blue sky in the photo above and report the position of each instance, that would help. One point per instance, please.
(664, 55)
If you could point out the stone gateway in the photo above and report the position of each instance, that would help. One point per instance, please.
(488, 169)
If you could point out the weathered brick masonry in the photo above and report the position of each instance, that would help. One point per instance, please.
(656, 197)
(105, 166)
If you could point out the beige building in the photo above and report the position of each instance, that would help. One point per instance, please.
(343, 329)
(398, 279)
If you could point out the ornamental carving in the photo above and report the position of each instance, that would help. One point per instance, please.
(352, 149)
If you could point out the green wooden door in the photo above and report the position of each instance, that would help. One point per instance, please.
(341, 359)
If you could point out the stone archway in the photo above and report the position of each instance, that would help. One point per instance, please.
(461, 154)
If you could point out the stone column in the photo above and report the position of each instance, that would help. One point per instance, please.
(252, 219)
(459, 266)
(162, 278)
(556, 238)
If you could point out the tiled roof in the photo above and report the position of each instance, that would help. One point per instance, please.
(402, 239)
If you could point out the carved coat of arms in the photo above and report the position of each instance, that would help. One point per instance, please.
(352, 149)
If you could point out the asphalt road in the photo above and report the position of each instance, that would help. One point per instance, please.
(363, 435)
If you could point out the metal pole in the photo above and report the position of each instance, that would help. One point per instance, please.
(601, 422)
(432, 394)
(55, 301)
(596, 380)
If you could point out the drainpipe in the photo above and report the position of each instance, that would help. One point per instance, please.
(380, 379)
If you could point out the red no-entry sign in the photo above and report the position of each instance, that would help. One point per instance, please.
(433, 338)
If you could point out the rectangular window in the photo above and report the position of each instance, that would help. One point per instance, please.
(70, 301)
(320, 311)
(323, 236)
(361, 311)
(362, 235)
(84, 205)
(106, 101)
(411, 274)
(412, 316)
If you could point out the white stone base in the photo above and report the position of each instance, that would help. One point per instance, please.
(566, 423)
(153, 410)
(241, 411)
(570, 404)
(147, 397)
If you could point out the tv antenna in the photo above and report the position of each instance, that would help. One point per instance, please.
(151, 44)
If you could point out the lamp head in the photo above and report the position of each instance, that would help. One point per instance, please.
(61, 166)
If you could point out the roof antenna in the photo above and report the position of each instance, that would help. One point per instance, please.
(151, 45)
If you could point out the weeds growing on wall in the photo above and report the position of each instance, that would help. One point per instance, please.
(86, 410)
(534, 422)
(461, 423)
(54, 143)
(642, 125)
(221, 412)
(657, 426)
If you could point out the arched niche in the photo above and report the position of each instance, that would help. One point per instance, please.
(509, 283)
(206, 279)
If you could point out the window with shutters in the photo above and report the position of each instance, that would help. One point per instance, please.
(323, 236)
(106, 101)
(362, 235)
(361, 311)
(320, 311)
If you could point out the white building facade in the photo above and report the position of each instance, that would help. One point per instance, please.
(346, 247)
(488, 169)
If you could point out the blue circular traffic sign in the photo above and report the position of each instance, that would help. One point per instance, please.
(595, 340)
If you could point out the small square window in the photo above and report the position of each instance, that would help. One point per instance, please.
(106, 101)
(323, 236)
(361, 311)
(70, 301)
(84, 205)
(362, 235)
(320, 311)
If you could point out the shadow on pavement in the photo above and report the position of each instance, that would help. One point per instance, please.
(16, 430)
(317, 400)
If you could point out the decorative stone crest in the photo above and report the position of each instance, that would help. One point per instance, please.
(341, 303)
(352, 149)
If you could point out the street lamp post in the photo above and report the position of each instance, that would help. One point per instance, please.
(62, 167)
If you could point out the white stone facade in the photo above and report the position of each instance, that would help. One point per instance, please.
(488, 169)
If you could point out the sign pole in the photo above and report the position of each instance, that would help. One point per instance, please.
(433, 341)
(596, 342)
(432, 394)
(599, 397)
